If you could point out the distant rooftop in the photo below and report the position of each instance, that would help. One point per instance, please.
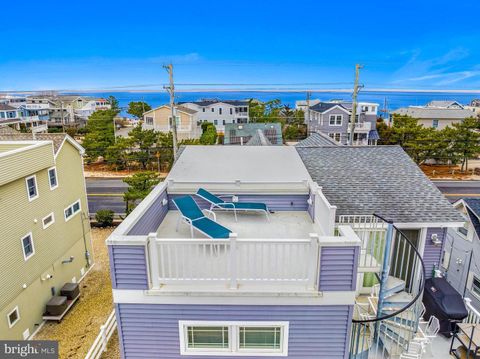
(5, 107)
(434, 112)
(444, 104)
(56, 138)
(377, 179)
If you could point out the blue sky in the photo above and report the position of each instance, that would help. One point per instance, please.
(419, 44)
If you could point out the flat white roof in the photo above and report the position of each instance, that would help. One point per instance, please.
(265, 169)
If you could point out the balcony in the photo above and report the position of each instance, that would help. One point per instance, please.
(37, 106)
(362, 127)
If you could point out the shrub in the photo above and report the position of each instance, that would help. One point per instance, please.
(104, 217)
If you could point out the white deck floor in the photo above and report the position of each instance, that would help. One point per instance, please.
(284, 224)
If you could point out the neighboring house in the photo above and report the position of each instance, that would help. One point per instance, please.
(160, 119)
(253, 134)
(70, 110)
(219, 112)
(304, 104)
(474, 106)
(333, 119)
(283, 287)
(18, 116)
(45, 239)
(461, 260)
(436, 114)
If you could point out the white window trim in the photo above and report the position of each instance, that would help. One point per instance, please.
(49, 224)
(23, 247)
(56, 177)
(10, 325)
(36, 188)
(233, 344)
(335, 120)
(73, 213)
(473, 276)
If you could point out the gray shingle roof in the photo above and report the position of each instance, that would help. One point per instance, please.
(324, 106)
(377, 179)
(433, 112)
(473, 210)
(443, 103)
(317, 139)
(208, 102)
(56, 138)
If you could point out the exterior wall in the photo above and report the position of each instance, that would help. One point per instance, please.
(338, 268)
(294, 202)
(128, 267)
(458, 250)
(321, 122)
(186, 129)
(152, 218)
(442, 123)
(432, 254)
(151, 330)
(52, 245)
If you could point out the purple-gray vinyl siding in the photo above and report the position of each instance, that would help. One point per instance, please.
(151, 330)
(128, 267)
(292, 202)
(338, 268)
(432, 254)
(152, 218)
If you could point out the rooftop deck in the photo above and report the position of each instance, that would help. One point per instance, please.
(282, 225)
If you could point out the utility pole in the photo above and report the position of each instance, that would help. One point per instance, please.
(308, 110)
(171, 91)
(356, 88)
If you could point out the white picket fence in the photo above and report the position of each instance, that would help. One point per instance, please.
(100, 344)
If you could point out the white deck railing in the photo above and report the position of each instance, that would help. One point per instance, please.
(100, 344)
(473, 314)
(236, 263)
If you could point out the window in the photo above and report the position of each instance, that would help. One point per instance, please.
(215, 122)
(13, 317)
(223, 121)
(27, 246)
(231, 111)
(476, 286)
(52, 178)
(32, 189)
(336, 120)
(213, 109)
(435, 123)
(48, 220)
(220, 111)
(71, 210)
(149, 121)
(203, 109)
(233, 338)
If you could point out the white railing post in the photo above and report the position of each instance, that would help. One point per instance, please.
(153, 260)
(104, 337)
(233, 261)
(314, 260)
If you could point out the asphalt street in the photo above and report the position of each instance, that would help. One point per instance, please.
(107, 193)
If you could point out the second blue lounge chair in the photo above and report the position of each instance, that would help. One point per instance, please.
(193, 215)
(217, 202)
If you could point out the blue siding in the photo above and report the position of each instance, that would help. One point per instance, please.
(151, 219)
(432, 254)
(338, 268)
(151, 331)
(128, 267)
(293, 202)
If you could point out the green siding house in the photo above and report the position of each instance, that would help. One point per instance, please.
(45, 233)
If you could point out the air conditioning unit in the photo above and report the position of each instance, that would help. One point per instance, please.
(70, 290)
(56, 305)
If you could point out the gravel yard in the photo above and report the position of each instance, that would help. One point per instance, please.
(81, 325)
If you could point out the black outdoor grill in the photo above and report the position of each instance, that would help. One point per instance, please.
(445, 303)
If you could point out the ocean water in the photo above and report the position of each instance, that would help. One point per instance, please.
(394, 100)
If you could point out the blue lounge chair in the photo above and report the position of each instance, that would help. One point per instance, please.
(217, 202)
(193, 215)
